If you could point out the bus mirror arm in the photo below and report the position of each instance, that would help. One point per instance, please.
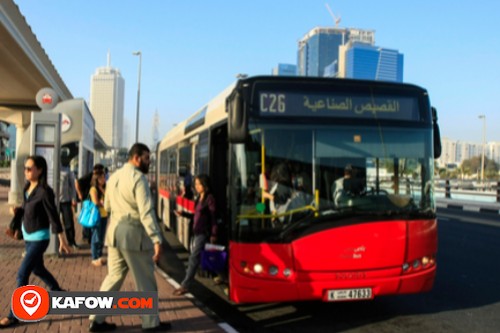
(436, 134)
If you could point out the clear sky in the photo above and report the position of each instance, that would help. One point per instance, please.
(192, 50)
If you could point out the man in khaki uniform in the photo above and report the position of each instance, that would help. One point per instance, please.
(133, 236)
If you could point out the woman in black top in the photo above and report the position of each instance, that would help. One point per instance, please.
(40, 213)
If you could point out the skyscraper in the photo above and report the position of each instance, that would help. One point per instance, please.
(107, 90)
(319, 49)
(364, 61)
(285, 70)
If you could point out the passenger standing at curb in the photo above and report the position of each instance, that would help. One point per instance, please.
(204, 228)
(133, 236)
(96, 193)
(67, 201)
(82, 186)
(40, 213)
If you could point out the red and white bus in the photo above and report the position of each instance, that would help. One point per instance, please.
(278, 151)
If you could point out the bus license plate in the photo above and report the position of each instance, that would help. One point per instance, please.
(349, 294)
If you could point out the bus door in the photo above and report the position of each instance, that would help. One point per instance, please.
(219, 176)
(185, 197)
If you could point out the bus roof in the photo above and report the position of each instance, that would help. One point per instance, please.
(331, 81)
(211, 113)
(214, 111)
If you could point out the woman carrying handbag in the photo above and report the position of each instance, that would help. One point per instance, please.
(40, 213)
(96, 193)
(204, 229)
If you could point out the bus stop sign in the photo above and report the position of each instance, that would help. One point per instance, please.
(46, 99)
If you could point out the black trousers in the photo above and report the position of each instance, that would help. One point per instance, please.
(68, 221)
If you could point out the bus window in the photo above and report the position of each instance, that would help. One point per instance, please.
(388, 171)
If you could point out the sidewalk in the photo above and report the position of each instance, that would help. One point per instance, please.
(74, 272)
(468, 205)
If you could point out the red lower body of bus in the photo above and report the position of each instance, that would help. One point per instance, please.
(353, 262)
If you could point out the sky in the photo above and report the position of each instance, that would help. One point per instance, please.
(193, 49)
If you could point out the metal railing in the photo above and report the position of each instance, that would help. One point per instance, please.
(451, 190)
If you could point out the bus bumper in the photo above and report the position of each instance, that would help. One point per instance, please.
(316, 286)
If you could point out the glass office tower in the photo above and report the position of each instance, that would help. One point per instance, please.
(318, 49)
(369, 62)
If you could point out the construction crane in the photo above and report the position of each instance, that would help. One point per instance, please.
(335, 18)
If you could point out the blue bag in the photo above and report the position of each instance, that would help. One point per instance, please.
(89, 215)
(213, 260)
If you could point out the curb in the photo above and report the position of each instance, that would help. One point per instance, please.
(223, 325)
(476, 208)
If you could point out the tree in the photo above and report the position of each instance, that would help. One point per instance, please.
(473, 166)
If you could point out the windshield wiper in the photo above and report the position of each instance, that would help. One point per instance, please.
(316, 216)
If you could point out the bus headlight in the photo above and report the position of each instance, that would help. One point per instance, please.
(287, 272)
(257, 268)
(421, 263)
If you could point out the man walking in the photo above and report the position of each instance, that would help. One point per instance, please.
(67, 200)
(133, 236)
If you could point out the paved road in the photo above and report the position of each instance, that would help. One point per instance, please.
(74, 272)
(465, 298)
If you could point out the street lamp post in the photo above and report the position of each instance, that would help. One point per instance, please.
(483, 117)
(138, 53)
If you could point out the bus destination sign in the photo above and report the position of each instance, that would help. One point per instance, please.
(295, 104)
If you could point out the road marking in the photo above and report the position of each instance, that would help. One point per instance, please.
(471, 208)
(228, 328)
(223, 325)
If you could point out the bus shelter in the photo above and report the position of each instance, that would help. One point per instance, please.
(77, 135)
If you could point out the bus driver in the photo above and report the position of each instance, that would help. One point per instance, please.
(348, 185)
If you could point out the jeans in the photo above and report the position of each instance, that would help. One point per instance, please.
(194, 259)
(97, 241)
(33, 263)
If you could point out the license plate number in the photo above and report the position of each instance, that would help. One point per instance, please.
(349, 294)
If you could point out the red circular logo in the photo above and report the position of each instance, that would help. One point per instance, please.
(30, 303)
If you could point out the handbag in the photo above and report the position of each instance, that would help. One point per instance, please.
(89, 215)
(213, 258)
(14, 229)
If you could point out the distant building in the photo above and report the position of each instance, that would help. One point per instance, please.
(360, 60)
(285, 70)
(455, 152)
(126, 133)
(493, 151)
(107, 91)
(332, 70)
(319, 48)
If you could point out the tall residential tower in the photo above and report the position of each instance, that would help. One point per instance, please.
(107, 92)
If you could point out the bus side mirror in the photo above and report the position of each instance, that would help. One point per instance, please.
(237, 118)
(436, 134)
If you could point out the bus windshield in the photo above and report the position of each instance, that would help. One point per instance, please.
(285, 175)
